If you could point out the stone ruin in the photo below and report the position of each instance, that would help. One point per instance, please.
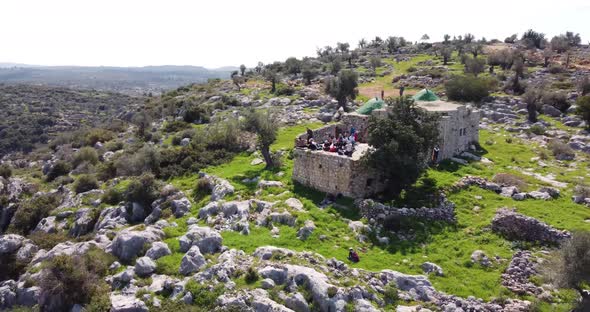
(378, 213)
(350, 176)
(515, 226)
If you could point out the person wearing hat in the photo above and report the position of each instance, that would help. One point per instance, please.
(352, 255)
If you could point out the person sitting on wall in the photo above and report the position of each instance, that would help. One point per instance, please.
(301, 143)
(333, 148)
(348, 149)
(326, 145)
(353, 256)
(309, 134)
(352, 139)
(311, 144)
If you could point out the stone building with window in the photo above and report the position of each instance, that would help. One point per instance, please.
(349, 175)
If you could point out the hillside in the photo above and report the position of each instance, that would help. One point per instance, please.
(175, 208)
(127, 80)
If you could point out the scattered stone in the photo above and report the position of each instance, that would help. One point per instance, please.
(305, 231)
(267, 283)
(205, 238)
(256, 161)
(266, 184)
(127, 303)
(295, 204)
(145, 266)
(10, 243)
(192, 261)
(429, 267)
(480, 258)
(129, 243)
(158, 250)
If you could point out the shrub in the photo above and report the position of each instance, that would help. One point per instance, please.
(251, 276)
(58, 169)
(48, 240)
(560, 149)
(332, 291)
(68, 280)
(30, 212)
(583, 109)
(143, 190)
(204, 295)
(391, 294)
(557, 100)
(467, 89)
(582, 191)
(146, 159)
(537, 129)
(555, 69)
(284, 89)
(98, 135)
(202, 189)
(584, 86)
(570, 266)
(5, 171)
(85, 183)
(509, 179)
(113, 146)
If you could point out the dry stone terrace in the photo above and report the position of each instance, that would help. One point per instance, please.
(338, 174)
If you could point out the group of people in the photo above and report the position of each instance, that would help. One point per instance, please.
(343, 143)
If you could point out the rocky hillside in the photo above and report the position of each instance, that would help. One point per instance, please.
(175, 210)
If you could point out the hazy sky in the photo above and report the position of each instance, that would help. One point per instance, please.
(223, 32)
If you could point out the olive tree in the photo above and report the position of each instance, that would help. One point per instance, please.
(403, 142)
(265, 125)
(343, 87)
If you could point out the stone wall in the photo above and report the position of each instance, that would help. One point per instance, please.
(515, 226)
(335, 174)
(378, 213)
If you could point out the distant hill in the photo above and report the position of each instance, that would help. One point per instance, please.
(128, 80)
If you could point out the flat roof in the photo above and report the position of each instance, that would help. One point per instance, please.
(438, 106)
(360, 149)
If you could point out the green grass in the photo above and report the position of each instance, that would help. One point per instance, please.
(449, 246)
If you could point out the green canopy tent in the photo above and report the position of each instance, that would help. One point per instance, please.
(425, 95)
(371, 105)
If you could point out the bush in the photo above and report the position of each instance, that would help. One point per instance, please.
(509, 179)
(85, 183)
(48, 240)
(98, 135)
(583, 109)
(5, 171)
(584, 86)
(202, 189)
(560, 149)
(68, 280)
(146, 159)
(557, 100)
(467, 89)
(112, 196)
(204, 295)
(30, 212)
(536, 129)
(570, 266)
(284, 89)
(555, 69)
(143, 190)
(58, 169)
(391, 294)
(251, 276)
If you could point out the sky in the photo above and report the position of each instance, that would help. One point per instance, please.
(229, 33)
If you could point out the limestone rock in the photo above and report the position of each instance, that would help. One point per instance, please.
(305, 231)
(145, 266)
(539, 195)
(26, 252)
(219, 187)
(83, 224)
(266, 184)
(266, 252)
(208, 240)
(10, 243)
(180, 207)
(295, 204)
(158, 250)
(192, 261)
(129, 243)
(127, 303)
(481, 258)
(112, 218)
(267, 283)
(429, 267)
(297, 303)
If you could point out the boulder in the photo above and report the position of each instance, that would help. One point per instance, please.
(219, 187)
(192, 261)
(7, 295)
(187, 298)
(127, 303)
(48, 225)
(519, 196)
(306, 230)
(111, 218)
(418, 286)
(84, 222)
(26, 252)
(180, 207)
(185, 142)
(210, 209)
(508, 191)
(266, 184)
(158, 250)
(10, 243)
(266, 252)
(550, 111)
(267, 283)
(208, 240)
(297, 303)
(145, 266)
(553, 192)
(539, 195)
(67, 248)
(283, 218)
(480, 258)
(28, 297)
(429, 267)
(128, 243)
(295, 204)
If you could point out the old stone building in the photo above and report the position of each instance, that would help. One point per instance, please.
(350, 176)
